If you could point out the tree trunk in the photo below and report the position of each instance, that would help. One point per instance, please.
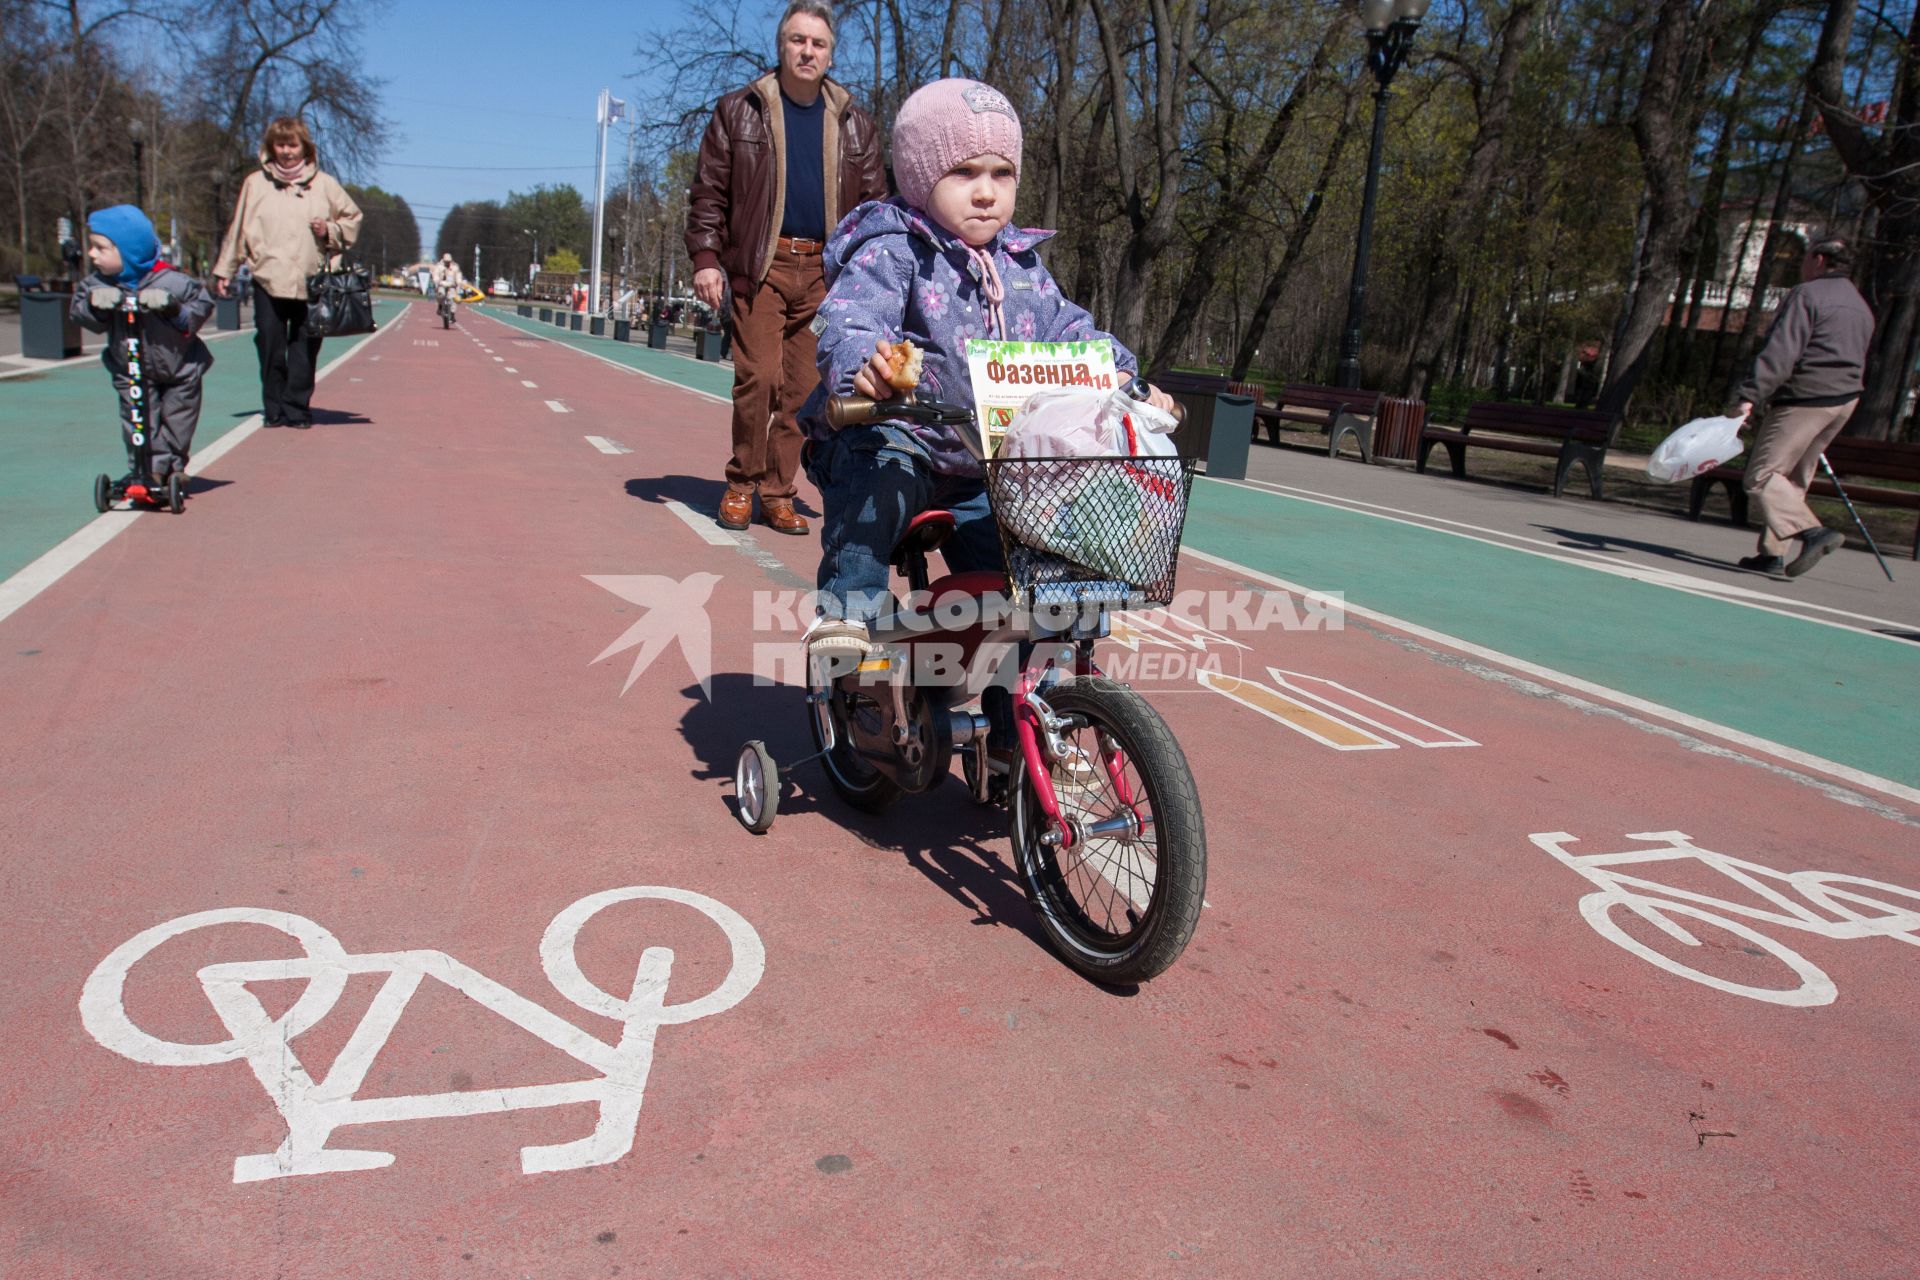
(1239, 185)
(1296, 241)
(1467, 207)
(1888, 166)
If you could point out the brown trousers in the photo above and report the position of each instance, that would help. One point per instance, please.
(1785, 459)
(773, 372)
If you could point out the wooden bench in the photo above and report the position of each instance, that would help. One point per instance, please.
(1339, 411)
(1851, 459)
(1569, 435)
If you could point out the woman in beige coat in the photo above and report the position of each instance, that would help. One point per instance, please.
(290, 219)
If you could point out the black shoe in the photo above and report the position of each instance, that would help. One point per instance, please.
(1772, 566)
(1814, 547)
(269, 422)
(297, 426)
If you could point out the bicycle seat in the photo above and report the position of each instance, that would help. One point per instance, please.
(928, 530)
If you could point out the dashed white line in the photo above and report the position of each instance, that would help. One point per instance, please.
(511, 369)
(557, 407)
(525, 383)
(710, 533)
(605, 445)
(499, 359)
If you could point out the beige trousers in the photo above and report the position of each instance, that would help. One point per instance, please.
(1785, 458)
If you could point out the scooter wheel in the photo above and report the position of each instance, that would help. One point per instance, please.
(176, 493)
(756, 788)
(102, 493)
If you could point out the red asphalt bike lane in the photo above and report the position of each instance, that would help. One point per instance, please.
(356, 683)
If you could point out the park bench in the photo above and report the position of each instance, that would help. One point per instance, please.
(1339, 411)
(1852, 459)
(1568, 435)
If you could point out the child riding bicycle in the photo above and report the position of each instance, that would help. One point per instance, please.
(936, 265)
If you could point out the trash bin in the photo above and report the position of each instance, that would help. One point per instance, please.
(47, 330)
(1231, 434)
(546, 315)
(707, 343)
(622, 331)
(1396, 432)
(657, 335)
(226, 313)
(574, 318)
(523, 310)
(597, 326)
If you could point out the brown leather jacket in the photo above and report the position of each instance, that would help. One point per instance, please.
(739, 189)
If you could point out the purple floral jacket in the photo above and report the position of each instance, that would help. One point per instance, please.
(893, 272)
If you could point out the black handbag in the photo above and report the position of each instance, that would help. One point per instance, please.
(340, 302)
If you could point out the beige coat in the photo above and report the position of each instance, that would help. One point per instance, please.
(270, 230)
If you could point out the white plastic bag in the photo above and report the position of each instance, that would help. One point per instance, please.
(1696, 448)
(1071, 423)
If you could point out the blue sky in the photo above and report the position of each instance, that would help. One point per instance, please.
(491, 96)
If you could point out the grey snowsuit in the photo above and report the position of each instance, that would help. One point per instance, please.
(172, 355)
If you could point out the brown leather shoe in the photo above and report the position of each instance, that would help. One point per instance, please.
(736, 509)
(780, 514)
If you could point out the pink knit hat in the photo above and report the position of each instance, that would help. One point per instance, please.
(944, 123)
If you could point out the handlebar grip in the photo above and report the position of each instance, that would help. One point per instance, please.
(851, 411)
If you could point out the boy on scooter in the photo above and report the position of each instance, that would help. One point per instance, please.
(125, 253)
(936, 265)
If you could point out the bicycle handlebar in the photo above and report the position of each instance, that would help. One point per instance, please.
(852, 411)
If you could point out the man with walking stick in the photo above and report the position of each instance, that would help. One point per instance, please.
(1810, 372)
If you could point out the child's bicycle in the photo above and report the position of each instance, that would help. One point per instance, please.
(138, 485)
(447, 306)
(1107, 833)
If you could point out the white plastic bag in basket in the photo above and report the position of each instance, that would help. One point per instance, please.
(1696, 448)
(1070, 423)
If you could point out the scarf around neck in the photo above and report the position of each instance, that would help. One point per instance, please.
(301, 170)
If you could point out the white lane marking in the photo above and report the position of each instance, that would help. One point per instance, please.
(605, 445)
(1732, 593)
(1828, 892)
(627, 368)
(511, 369)
(30, 580)
(312, 1109)
(499, 359)
(710, 533)
(531, 385)
(1706, 728)
(557, 407)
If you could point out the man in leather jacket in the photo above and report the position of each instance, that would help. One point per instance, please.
(782, 161)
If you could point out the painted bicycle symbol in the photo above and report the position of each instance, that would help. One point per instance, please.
(1822, 903)
(313, 1109)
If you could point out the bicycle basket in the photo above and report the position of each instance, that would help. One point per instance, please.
(1065, 520)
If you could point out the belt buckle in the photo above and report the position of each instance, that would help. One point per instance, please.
(800, 246)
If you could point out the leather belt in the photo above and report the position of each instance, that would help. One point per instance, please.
(800, 246)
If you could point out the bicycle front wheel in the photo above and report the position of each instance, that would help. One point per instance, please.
(1119, 902)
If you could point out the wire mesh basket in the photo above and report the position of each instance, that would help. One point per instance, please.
(1091, 520)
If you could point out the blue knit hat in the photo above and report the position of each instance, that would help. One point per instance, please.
(132, 233)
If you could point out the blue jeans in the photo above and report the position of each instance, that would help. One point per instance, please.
(873, 481)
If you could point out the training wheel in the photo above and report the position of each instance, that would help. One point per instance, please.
(176, 494)
(102, 493)
(756, 787)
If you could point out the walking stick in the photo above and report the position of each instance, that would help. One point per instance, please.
(1858, 522)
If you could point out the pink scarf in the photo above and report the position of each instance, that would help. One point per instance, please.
(288, 175)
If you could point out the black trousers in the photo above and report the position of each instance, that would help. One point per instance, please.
(287, 357)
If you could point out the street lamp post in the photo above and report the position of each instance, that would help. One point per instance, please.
(536, 248)
(137, 130)
(1390, 25)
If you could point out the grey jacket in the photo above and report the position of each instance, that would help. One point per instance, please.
(1816, 352)
(174, 352)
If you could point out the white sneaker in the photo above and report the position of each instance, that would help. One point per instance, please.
(837, 638)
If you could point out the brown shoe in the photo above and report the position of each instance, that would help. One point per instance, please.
(736, 509)
(780, 514)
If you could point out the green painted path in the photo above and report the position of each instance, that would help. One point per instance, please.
(701, 375)
(59, 429)
(1843, 695)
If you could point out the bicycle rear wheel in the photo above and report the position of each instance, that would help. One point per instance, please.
(1119, 906)
(859, 783)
